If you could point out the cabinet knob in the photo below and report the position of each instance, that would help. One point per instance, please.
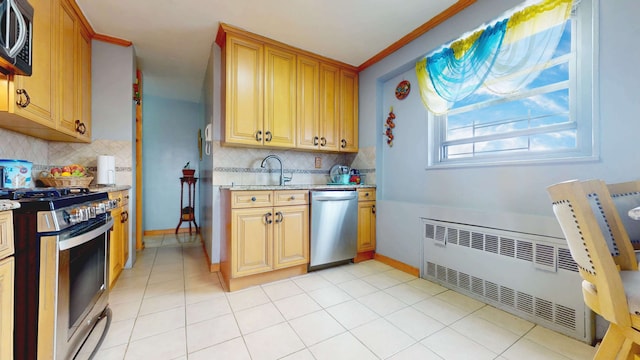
(293, 197)
(23, 103)
(366, 194)
(253, 198)
(80, 127)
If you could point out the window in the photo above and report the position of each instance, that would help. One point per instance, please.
(550, 119)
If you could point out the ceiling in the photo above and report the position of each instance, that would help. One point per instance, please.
(173, 38)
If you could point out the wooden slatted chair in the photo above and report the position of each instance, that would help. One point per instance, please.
(611, 224)
(608, 291)
(626, 196)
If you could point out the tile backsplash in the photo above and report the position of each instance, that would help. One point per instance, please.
(231, 165)
(241, 166)
(46, 154)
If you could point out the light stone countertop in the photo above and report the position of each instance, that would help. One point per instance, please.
(109, 188)
(6, 205)
(295, 187)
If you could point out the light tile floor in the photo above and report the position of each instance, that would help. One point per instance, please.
(169, 306)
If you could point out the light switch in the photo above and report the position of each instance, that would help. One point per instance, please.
(318, 162)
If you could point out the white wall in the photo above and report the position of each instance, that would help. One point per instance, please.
(113, 70)
(111, 79)
(509, 197)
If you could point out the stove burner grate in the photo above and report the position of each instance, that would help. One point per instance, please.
(40, 193)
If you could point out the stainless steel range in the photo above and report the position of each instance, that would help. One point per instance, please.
(61, 254)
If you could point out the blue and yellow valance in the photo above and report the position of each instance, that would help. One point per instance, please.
(513, 50)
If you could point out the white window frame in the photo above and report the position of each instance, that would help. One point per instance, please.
(583, 107)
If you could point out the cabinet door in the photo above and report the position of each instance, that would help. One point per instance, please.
(6, 308)
(6, 234)
(115, 247)
(291, 236)
(366, 226)
(67, 71)
(84, 88)
(329, 107)
(125, 235)
(244, 91)
(280, 98)
(348, 111)
(251, 241)
(40, 85)
(308, 103)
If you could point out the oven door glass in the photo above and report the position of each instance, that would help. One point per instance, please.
(86, 277)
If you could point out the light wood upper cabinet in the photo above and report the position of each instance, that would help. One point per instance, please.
(55, 101)
(244, 91)
(348, 111)
(308, 108)
(329, 107)
(39, 86)
(260, 103)
(280, 98)
(84, 84)
(294, 100)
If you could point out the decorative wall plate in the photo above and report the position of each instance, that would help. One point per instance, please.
(403, 89)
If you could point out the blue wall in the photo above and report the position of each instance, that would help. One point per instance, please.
(169, 133)
(507, 197)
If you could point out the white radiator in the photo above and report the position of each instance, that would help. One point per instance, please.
(531, 276)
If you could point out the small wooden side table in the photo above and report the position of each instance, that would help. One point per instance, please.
(187, 213)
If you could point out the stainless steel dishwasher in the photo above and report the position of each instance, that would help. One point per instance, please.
(334, 227)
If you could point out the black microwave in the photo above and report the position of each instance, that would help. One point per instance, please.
(16, 37)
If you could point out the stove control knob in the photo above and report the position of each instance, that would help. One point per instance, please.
(75, 216)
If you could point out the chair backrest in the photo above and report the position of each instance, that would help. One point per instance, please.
(611, 224)
(589, 249)
(626, 196)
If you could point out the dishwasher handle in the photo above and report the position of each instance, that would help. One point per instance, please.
(336, 197)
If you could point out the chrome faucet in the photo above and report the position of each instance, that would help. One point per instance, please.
(283, 179)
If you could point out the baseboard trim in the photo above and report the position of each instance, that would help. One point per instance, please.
(398, 265)
(167, 231)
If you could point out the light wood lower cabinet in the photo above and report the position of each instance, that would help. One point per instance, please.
(366, 224)
(6, 284)
(266, 236)
(119, 241)
(115, 247)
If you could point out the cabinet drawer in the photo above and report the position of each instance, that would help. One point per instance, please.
(124, 194)
(250, 199)
(366, 194)
(291, 197)
(116, 195)
(6, 234)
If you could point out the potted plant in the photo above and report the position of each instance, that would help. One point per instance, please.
(187, 171)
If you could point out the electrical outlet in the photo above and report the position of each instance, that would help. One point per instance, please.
(318, 162)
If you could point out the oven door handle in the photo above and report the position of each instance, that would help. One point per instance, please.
(86, 237)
